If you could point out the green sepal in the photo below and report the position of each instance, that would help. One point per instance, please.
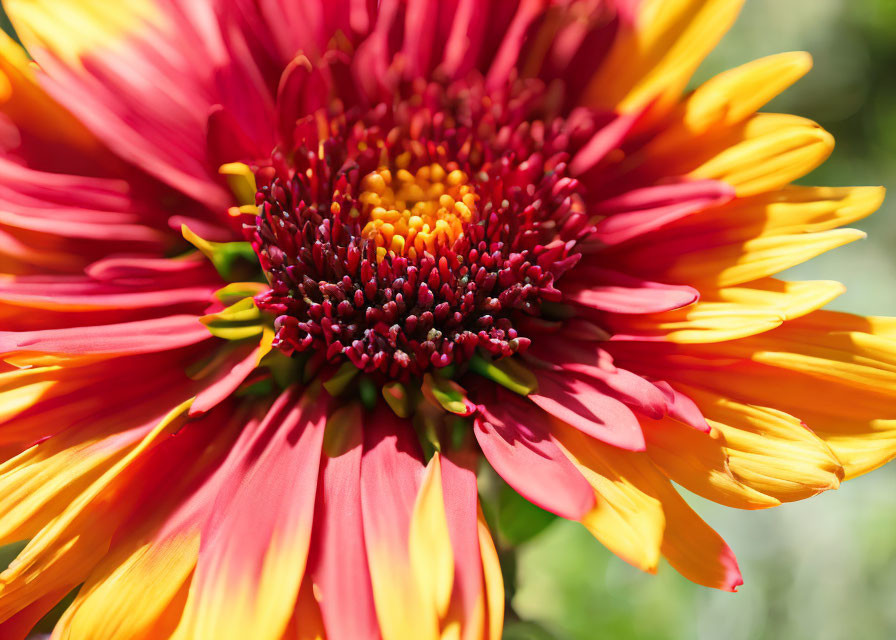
(238, 321)
(341, 379)
(368, 392)
(396, 396)
(223, 255)
(264, 387)
(236, 291)
(507, 372)
(447, 394)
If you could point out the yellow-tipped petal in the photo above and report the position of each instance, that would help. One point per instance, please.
(657, 56)
(770, 450)
(728, 265)
(30, 108)
(730, 98)
(698, 462)
(72, 543)
(773, 150)
(135, 593)
(432, 558)
(628, 521)
(648, 517)
(70, 28)
(494, 581)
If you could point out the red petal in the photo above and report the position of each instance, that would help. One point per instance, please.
(571, 399)
(516, 439)
(606, 290)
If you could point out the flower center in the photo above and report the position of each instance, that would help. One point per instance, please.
(412, 213)
(417, 233)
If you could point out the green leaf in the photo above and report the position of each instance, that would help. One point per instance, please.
(518, 519)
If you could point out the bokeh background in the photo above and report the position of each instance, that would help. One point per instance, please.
(824, 568)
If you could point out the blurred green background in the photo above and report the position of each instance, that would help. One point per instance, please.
(824, 568)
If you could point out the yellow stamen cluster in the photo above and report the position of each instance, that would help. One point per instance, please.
(409, 213)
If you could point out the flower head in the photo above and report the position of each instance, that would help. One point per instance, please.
(280, 275)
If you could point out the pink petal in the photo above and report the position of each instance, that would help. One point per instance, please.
(258, 535)
(682, 408)
(516, 439)
(571, 399)
(605, 290)
(143, 336)
(643, 210)
(461, 511)
(338, 558)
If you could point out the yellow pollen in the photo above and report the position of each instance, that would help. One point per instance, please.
(409, 213)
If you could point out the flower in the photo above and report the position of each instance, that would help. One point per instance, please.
(279, 272)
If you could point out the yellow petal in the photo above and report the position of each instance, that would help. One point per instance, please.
(729, 98)
(691, 546)
(754, 237)
(136, 593)
(730, 313)
(649, 516)
(732, 264)
(68, 28)
(698, 462)
(494, 582)
(432, 557)
(22, 389)
(628, 521)
(769, 450)
(656, 57)
(64, 551)
(30, 108)
(772, 151)
(833, 371)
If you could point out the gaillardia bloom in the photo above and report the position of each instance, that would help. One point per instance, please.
(279, 271)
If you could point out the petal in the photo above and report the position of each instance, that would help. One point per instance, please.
(253, 552)
(159, 334)
(769, 450)
(653, 59)
(61, 554)
(731, 97)
(646, 209)
(88, 441)
(129, 77)
(391, 472)
(729, 313)
(639, 514)
(628, 521)
(752, 238)
(338, 559)
(769, 152)
(229, 376)
(494, 582)
(570, 398)
(698, 462)
(432, 556)
(614, 292)
(461, 510)
(138, 591)
(516, 440)
(593, 365)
